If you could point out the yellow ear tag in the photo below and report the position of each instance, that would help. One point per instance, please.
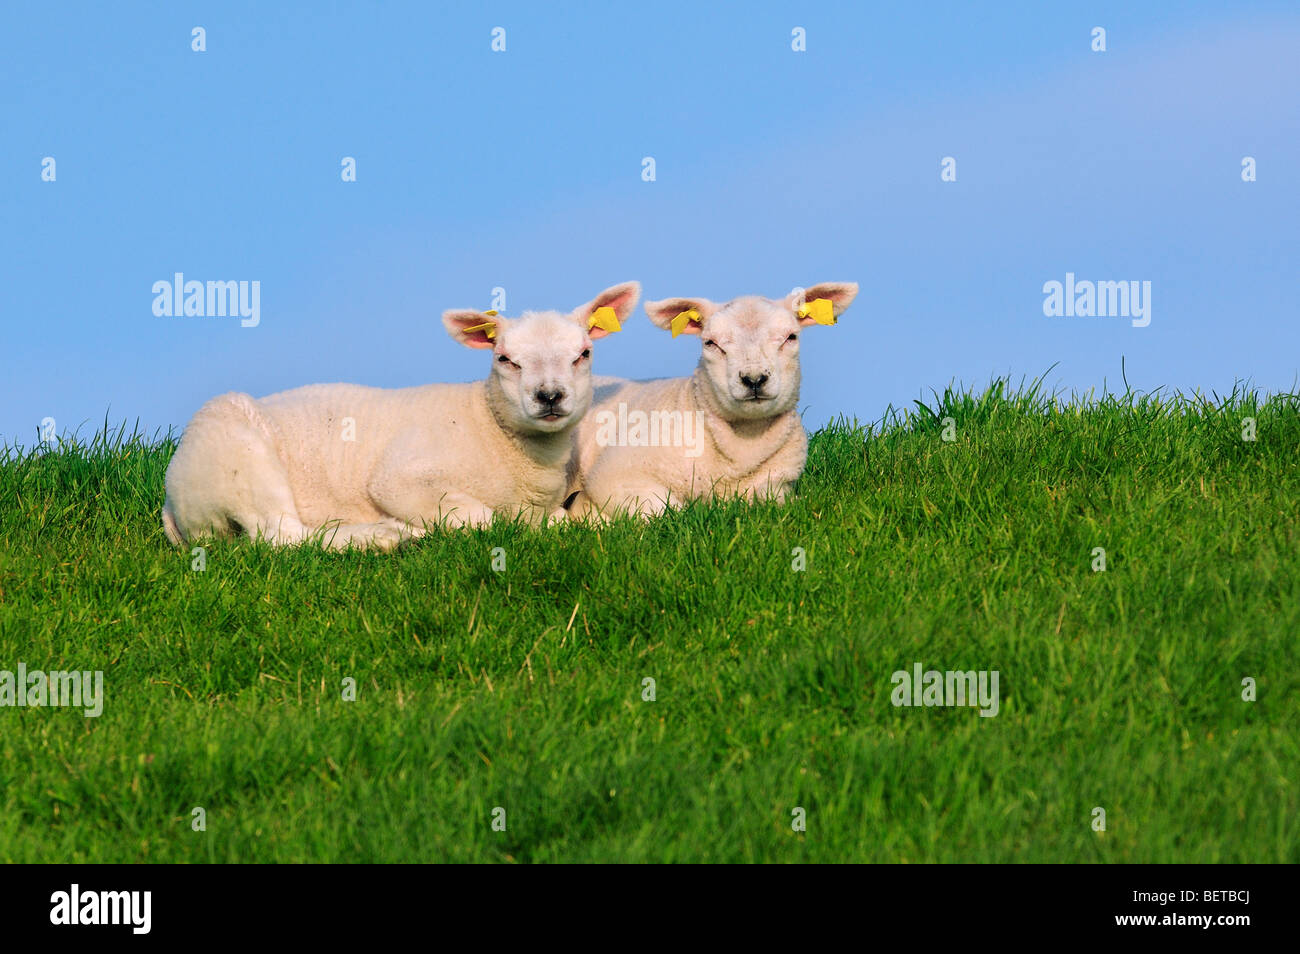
(684, 318)
(493, 313)
(821, 310)
(604, 317)
(488, 328)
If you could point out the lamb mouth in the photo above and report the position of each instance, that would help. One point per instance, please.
(551, 417)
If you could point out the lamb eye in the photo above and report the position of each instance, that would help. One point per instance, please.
(793, 337)
(502, 359)
(711, 344)
(585, 354)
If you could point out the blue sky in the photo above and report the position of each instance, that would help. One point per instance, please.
(522, 170)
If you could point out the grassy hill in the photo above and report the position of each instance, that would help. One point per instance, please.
(1120, 689)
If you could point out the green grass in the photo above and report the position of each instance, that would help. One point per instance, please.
(1120, 689)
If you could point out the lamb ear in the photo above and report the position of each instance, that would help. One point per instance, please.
(473, 329)
(681, 316)
(617, 302)
(839, 294)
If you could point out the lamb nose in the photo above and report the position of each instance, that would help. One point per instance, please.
(754, 382)
(548, 397)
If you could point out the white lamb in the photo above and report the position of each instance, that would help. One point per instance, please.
(731, 429)
(369, 467)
